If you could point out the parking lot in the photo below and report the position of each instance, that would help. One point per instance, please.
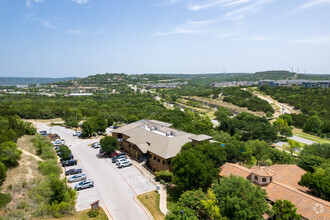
(114, 187)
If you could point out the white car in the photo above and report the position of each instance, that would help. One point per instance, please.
(96, 145)
(122, 160)
(77, 177)
(58, 142)
(77, 133)
(124, 164)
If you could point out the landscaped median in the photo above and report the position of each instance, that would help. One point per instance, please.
(151, 201)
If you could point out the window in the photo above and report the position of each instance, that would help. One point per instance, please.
(168, 162)
(163, 162)
(264, 180)
(150, 156)
(154, 157)
(159, 160)
(255, 177)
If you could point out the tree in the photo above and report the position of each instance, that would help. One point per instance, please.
(240, 199)
(260, 149)
(320, 150)
(210, 205)
(100, 123)
(293, 146)
(193, 170)
(3, 170)
(193, 200)
(109, 144)
(313, 125)
(310, 162)
(285, 210)
(282, 127)
(9, 154)
(88, 128)
(65, 151)
(287, 118)
(214, 152)
(318, 182)
(181, 212)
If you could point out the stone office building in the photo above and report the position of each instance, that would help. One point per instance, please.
(154, 142)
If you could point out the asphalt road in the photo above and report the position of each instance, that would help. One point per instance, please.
(115, 188)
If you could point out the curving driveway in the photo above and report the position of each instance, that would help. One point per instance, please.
(115, 188)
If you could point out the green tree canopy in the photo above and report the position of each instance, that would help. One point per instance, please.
(318, 182)
(181, 212)
(240, 199)
(285, 210)
(9, 154)
(3, 170)
(109, 144)
(313, 125)
(192, 169)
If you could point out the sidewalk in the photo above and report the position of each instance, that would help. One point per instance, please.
(162, 192)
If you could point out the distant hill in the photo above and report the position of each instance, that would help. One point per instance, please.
(31, 80)
(280, 75)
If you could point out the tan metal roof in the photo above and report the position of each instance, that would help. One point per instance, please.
(202, 137)
(164, 146)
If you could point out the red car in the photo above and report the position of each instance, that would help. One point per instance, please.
(113, 154)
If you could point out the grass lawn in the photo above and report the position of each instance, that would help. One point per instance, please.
(312, 138)
(82, 215)
(152, 204)
(173, 195)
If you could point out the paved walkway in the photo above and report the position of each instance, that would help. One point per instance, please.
(162, 192)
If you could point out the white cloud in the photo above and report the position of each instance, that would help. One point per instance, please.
(169, 2)
(307, 5)
(191, 27)
(80, 1)
(215, 3)
(75, 32)
(325, 39)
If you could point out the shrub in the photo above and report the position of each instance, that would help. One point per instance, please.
(4, 199)
(49, 167)
(10, 186)
(24, 184)
(164, 175)
(93, 213)
(3, 170)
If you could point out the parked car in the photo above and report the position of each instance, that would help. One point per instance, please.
(96, 145)
(42, 132)
(121, 160)
(46, 134)
(114, 154)
(77, 133)
(118, 157)
(124, 164)
(73, 171)
(84, 184)
(101, 151)
(70, 157)
(69, 163)
(58, 142)
(76, 178)
(57, 148)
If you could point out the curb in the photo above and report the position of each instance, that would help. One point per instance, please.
(143, 207)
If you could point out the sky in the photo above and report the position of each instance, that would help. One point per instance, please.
(60, 38)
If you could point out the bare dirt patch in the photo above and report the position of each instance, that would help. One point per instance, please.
(218, 102)
(21, 178)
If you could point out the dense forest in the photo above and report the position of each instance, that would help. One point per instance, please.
(313, 102)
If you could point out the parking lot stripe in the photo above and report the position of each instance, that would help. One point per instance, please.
(151, 218)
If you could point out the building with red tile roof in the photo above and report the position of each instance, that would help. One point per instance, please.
(281, 182)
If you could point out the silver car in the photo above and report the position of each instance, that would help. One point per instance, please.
(77, 177)
(124, 164)
(84, 184)
(122, 160)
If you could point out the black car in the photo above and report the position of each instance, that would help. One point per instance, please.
(73, 171)
(42, 132)
(70, 157)
(118, 157)
(69, 163)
